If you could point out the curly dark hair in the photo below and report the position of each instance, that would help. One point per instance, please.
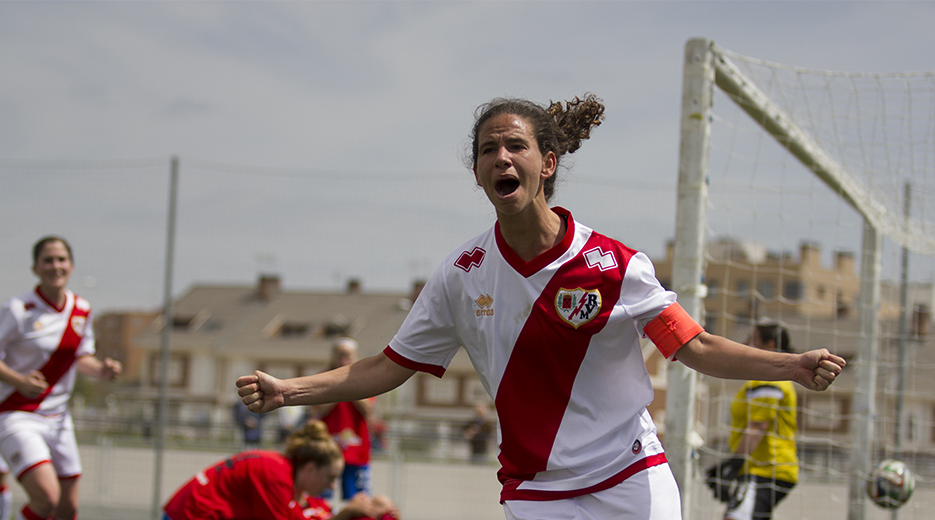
(559, 128)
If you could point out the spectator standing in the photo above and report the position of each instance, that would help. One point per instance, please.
(251, 426)
(349, 424)
(479, 432)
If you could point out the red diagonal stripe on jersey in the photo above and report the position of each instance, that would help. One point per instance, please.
(57, 365)
(536, 385)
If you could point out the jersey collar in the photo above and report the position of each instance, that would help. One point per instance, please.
(50, 304)
(533, 266)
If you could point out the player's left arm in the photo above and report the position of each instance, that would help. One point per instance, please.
(107, 369)
(720, 357)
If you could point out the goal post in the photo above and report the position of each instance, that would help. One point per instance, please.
(709, 69)
(688, 258)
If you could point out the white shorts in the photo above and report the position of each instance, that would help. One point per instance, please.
(28, 439)
(651, 494)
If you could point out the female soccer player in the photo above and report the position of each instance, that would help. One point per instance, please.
(271, 485)
(550, 313)
(45, 338)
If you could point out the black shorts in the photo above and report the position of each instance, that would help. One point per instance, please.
(756, 497)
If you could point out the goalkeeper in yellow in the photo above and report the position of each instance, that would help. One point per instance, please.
(763, 428)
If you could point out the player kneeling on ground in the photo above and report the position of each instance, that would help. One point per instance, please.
(275, 486)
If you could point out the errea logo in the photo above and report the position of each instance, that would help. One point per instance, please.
(484, 304)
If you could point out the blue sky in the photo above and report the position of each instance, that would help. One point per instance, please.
(323, 140)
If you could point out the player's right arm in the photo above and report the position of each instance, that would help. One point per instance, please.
(368, 377)
(30, 385)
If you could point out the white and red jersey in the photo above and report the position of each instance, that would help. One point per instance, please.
(34, 335)
(555, 341)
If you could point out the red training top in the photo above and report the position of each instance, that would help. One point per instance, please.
(247, 486)
(349, 428)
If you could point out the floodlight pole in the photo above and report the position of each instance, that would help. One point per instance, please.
(164, 345)
(688, 256)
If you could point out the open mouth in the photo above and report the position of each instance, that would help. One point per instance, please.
(506, 186)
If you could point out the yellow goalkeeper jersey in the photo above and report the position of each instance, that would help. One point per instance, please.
(774, 403)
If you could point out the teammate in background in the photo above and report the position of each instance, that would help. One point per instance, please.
(763, 428)
(45, 338)
(272, 485)
(349, 424)
(551, 314)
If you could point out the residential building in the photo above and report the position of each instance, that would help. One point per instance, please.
(220, 332)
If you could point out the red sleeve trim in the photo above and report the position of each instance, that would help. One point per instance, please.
(435, 370)
(671, 329)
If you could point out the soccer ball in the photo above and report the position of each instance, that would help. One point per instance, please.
(891, 484)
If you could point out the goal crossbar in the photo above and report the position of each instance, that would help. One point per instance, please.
(909, 233)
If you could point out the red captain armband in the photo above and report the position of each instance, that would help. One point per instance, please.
(672, 329)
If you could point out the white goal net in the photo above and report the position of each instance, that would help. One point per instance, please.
(803, 200)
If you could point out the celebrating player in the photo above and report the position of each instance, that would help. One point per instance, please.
(551, 313)
(274, 486)
(45, 338)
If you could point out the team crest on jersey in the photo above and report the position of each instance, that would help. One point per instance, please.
(78, 323)
(577, 306)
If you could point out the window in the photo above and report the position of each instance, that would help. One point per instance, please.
(766, 288)
(793, 290)
(293, 330)
(177, 373)
(182, 322)
(825, 414)
(713, 286)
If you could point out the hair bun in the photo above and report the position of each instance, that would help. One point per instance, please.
(576, 118)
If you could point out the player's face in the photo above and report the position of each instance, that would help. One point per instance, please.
(344, 356)
(53, 266)
(315, 479)
(509, 165)
(757, 341)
